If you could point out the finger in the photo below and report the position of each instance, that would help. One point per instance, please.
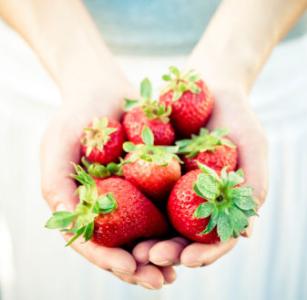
(196, 255)
(141, 251)
(248, 135)
(169, 274)
(253, 160)
(58, 149)
(126, 278)
(167, 253)
(149, 277)
(112, 259)
(253, 153)
(145, 276)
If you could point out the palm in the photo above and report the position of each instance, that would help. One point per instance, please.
(60, 146)
(231, 111)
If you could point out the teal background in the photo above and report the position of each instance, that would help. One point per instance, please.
(157, 27)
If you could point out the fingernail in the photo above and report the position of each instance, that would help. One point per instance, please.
(121, 271)
(163, 262)
(195, 264)
(60, 207)
(146, 285)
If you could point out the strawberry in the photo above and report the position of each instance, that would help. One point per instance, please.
(150, 113)
(102, 141)
(111, 212)
(211, 149)
(208, 208)
(190, 100)
(152, 169)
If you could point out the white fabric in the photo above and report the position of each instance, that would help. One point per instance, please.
(34, 263)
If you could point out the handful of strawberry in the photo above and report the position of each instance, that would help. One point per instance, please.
(139, 179)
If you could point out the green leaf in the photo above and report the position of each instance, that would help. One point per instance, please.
(193, 77)
(146, 89)
(171, 149)
(166, 77)
(103, 122)
(206, 170)
(203, 132)
(238, 219)
(234, 178)
(197, 191)
(224, 226)
(243, 198)
(194, 88)
(88, 231)
(207, 186)
(82, 177)
(98, 170)
(182, 87)
(147, 136)
(60, 220)
(220, 132)
(182, 144)
(240, 172)
(78, 233)
(176, 95)
(129, 147)
(85, 162)
(175, 71)
(250, 213)
(212, 222)
(106, 203)
(113, 167)
(203, 210)
(227, 143)
(130, 104)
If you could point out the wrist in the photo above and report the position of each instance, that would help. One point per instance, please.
(225, 65)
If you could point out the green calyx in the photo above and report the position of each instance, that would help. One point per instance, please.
(80, 222)
(160, 155)
(97, 135)
(103, 171)
(151, 108)
(228, 204)
(205, 141)
(180, 83)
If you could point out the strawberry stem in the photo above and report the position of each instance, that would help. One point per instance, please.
(204, 141)
(160, 155)
(81, 221)
(152, 108)
(180, 83)
(97, 135)
(228, 204)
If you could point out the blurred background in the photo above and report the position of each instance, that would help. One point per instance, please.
(34, 263)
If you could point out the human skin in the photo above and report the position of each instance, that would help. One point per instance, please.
(69, 46)
(230, 65)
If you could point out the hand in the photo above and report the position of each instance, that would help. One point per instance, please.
(60, 146)
(231, 111)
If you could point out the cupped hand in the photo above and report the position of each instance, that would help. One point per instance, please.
(233, 111)
(60, 146)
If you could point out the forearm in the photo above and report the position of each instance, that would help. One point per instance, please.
(65, 39)
(240, 38)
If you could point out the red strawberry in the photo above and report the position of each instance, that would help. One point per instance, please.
(152, 169)
(102, 141)
(207, 208)
(190, 100)
(111, 212)
(150, 113)
(211, 149)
